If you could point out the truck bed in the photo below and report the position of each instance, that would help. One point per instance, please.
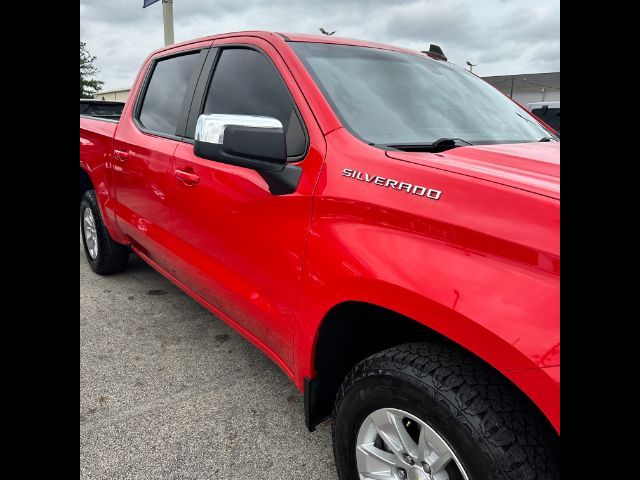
(109, 110)
(96, 139)
(111, 118)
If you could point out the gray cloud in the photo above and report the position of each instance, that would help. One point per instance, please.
(539, 24)
(502, 36)
(430, 21)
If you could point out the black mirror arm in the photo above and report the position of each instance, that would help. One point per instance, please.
(284, 182)
(282, 179)
(215, 151)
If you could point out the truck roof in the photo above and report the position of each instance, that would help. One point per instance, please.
(292, 37)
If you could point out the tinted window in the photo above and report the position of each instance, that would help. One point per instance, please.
(246, 83)
(550, 116)
(165, 93)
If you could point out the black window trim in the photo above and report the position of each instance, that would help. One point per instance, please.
(202, 90)
(203, 52)
(200, 94)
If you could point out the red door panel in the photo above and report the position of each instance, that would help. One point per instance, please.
(142, 177)
(239, 246)
(144, 145)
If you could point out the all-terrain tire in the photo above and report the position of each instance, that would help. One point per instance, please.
(112, 257)
(495, 432)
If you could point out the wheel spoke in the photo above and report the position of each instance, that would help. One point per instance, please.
(434, 450)
(377, 476)
(375, 463)
(441, 475)
(407, 442)
(393, 433)
(441, 462)
(90, 233)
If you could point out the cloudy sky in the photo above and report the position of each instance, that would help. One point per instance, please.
(501, 36)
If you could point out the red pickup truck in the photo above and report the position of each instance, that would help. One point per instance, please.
(381, 223)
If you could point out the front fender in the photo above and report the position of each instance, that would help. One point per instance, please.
(507, 318)
(480, 266)
(504, 318)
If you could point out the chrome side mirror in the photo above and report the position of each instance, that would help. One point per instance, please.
(244, 140)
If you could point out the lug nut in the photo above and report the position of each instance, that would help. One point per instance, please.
(408, 459)
(426, 468)
(402, 473)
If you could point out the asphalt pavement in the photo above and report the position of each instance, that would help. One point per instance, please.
(169, 391)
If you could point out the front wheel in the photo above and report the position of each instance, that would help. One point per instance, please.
(427, 412)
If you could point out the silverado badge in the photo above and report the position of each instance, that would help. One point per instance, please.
(391, 183)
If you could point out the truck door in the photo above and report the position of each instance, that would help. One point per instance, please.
(144, 145)
(239, 246)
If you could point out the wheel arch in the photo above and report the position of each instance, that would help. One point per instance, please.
(85, 182)
(96, 179)
(350, 331)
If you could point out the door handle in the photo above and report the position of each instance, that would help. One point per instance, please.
(121, 155)
(187, 176)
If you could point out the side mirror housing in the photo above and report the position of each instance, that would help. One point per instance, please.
(243, 140)
(248, 141)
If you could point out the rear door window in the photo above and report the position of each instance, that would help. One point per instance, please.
(165, 93)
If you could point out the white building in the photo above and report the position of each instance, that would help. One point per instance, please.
(528, 87)
(119, 95)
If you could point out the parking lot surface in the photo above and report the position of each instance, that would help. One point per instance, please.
(168, 391)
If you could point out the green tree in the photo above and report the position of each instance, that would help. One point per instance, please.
(88, 85)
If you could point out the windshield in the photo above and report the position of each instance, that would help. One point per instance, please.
(395, 98)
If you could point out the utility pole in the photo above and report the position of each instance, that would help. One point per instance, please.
(471, 65)
(512, 80)
(167, 17)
